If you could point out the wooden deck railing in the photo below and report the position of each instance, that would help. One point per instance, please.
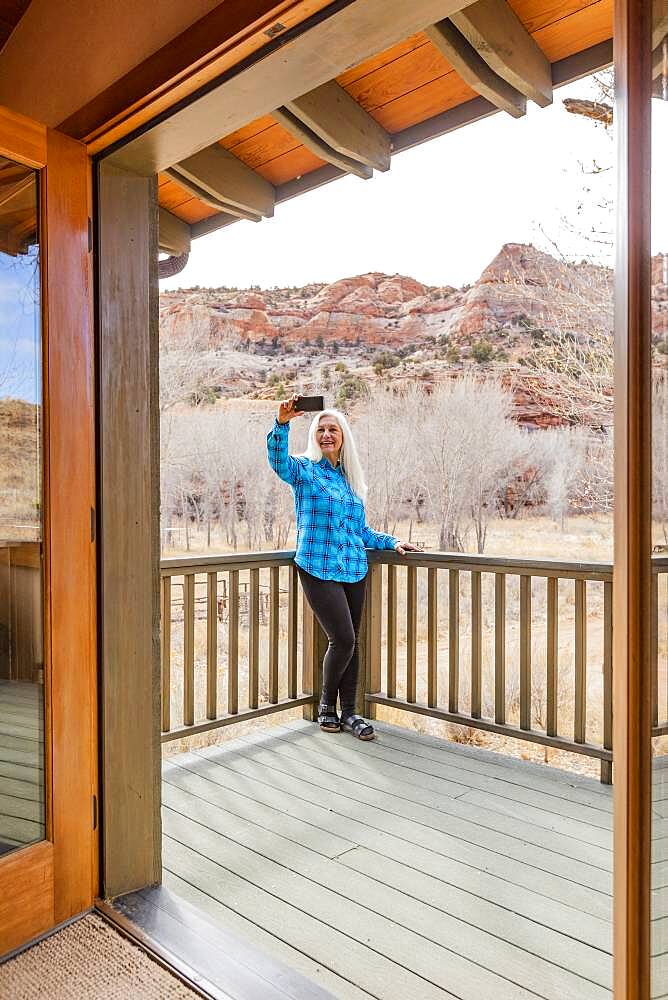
(502, 645)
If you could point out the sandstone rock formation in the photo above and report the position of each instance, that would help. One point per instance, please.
(512, 320)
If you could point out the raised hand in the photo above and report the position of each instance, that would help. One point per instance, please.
(287, 411)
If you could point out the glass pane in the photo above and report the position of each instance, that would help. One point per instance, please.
(22, 789)
(660, 501)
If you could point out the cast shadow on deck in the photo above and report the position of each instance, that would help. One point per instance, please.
(404, 867)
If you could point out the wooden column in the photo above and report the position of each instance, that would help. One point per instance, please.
(632, 569)
(129, 528)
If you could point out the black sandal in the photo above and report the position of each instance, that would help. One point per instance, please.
(359, 727)
(328, 719)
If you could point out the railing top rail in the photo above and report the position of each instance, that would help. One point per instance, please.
(498, 564)
(572, 570)
(225, 561)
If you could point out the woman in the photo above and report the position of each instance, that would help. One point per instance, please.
(332, 535)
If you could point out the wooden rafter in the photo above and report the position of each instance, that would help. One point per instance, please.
(343, 125)
(473, 69)
(173, 234)
(566, 70)
(295, 127)
(217, 174)
(344, 38)
(498, 35)
(209, 199)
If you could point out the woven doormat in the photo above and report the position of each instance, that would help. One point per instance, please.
(86, 961)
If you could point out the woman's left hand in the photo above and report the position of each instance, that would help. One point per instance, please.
(403, 547)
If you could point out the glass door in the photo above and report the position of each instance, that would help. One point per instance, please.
(22, 785)
(48, 815)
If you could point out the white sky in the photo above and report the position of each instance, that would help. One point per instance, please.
(440, 213)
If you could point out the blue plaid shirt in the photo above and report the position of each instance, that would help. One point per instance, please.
(332, 532)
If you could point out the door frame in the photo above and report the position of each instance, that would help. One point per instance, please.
(44, 884)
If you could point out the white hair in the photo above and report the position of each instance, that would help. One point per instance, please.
(348, 456)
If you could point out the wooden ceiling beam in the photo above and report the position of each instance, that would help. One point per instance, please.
(208, 199)
(318, 146)
(173, 234)
(220, 175)
(497, 34)
(334, 116)
(474, 70)
(343, 35)
(567, 70)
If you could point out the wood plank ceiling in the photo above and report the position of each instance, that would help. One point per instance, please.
(408, 84)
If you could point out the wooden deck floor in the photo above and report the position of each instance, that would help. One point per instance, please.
(406, 867)
(21, 765)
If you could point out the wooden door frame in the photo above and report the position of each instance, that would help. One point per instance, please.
(46, 883)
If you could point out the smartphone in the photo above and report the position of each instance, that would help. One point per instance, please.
(309, 404)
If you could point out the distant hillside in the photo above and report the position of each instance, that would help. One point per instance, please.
(530, 319)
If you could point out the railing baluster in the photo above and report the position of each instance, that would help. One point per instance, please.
(211, 645)
(257, 603)
(525, 652)
(432, 637)
(453, 640)
(233, 645)
(273, 633)
(411, 632)
(166, 653)
(580, 727)
(189, 649)
(476, 644)
(500, 648)
(606, 765)
(391, 631)
(292, 631)
(254, 639)
(654, 631)
(552, 655)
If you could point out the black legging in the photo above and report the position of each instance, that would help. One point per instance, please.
(338, 608)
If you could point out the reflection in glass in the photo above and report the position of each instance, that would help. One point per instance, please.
(21, 524)
(660, 502)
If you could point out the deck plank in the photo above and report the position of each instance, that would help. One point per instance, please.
(435, 810)
(321, 754)
(457, 938)
(424, 961)
(373, 972)
(422, 768)
(407, 866)
(262, 939)
(464, 893)
(438, 845)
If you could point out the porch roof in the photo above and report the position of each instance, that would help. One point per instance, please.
(429, 83)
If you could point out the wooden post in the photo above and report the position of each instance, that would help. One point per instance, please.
(369, 643)
(129, 453)
(632, 641)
